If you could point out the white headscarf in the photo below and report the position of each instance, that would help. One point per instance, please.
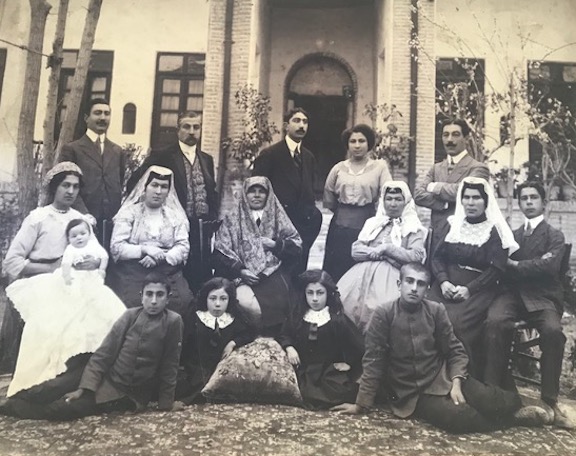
(458, 225)
(137, 194)
(406, 224)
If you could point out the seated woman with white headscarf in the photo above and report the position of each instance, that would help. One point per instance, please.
(468, 262)
(256, 246)
(390, 239)
(151, 234)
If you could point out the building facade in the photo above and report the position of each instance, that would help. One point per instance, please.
(154, 58)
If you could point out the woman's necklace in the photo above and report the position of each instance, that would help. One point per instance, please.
(59, 211)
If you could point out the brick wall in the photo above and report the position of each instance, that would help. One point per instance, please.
(213, 82)
(426, 89)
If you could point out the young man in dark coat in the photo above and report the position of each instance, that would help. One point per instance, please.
(532, 292)
(196, 188)
(411, 349)
(103, 164)
(290, 167)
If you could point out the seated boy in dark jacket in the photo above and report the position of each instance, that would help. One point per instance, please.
(136, 363)
(138, 360)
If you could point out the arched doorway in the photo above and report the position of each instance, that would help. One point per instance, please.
(325, 86)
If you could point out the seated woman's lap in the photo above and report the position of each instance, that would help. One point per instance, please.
(126, 277)
(268, 303)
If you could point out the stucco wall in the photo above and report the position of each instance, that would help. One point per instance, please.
(136, 30)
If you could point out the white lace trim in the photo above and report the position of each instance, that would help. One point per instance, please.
(209, 320)
(471, 233)
(320, 317)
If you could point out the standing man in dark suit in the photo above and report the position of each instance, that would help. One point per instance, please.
(439, 188)
(290, 167)
(532, 291)
(196, 188)
(103, 164)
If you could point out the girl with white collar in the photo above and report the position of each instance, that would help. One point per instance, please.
(212, 333)
(322, 343)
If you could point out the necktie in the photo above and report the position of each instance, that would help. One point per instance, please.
(258, 222)
(100, 144)
(297, 157)
(529, 230)
(450, 164)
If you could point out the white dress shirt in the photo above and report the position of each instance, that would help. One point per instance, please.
(188, 151)
(94, 137)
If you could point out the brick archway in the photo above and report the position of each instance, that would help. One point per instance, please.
(314, 57)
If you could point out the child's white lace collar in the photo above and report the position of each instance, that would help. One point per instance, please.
(320, 317)
(209, 320)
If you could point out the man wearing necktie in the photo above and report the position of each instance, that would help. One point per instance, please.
(532, 291)
(196, 189)
(290, 167)
(103, 164)
(438, 190)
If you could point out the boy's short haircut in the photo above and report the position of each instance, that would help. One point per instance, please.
(156, 277)
(531, 184)
(416, 267)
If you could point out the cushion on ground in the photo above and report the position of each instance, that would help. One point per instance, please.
(258, 372)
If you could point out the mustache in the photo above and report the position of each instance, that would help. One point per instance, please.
(450, 144)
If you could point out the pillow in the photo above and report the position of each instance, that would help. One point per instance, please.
(257, 372)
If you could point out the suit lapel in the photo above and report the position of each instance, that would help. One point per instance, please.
(287, 162)
(208, 182)
(180, 166)
(88, 148)
(108, 156)
(460, 169)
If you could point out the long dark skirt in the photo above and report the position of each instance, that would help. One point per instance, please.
(275, 296)
(322, 386)
(10, 336)
(126, 278)
(343, 231)
(467, 317)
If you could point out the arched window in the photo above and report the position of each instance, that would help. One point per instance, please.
(129, 119)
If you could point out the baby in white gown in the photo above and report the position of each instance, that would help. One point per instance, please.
(66, 313)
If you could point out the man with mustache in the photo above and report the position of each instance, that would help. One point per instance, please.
(438, 190)
(196, 188)
(290, 167)
(103, 164)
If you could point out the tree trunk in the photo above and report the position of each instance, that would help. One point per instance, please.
(79, 81)
(48, 150)
(27, 183)
(510, 196)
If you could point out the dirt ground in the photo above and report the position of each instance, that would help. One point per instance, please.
(248, 429)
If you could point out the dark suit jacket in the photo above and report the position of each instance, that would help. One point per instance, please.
(294, 189)
(103, 176)
(173, 158)
(535, 280)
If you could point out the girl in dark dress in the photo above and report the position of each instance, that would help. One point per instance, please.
(211, 334)
(468, 263)
(322, 343)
